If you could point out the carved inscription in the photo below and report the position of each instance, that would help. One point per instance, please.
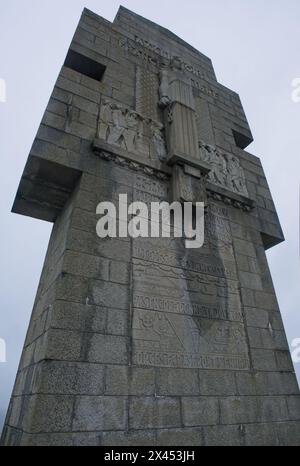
(150, 54)
(185, 318)
(143, 249)
(170, 289)
(145, 44)
(204, 89)
(214, 310)
(173, 340)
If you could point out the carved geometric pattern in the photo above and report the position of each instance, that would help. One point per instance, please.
(147, 93)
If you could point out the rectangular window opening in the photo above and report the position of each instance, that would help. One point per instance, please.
(84, 65)
(241, 140)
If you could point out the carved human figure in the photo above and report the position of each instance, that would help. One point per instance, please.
(219, 168)
(164, 98)
(207, 152)
(174, 84)
(105, 120)
(235, 176)
(116, 134)
(132, 127)
(158, 141)
(177, 101)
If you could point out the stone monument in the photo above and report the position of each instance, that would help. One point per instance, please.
(140, 341)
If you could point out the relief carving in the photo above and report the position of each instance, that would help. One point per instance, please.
(177, 101)
(158, 141)
(226, 170)
(172, 340)
(129, 130)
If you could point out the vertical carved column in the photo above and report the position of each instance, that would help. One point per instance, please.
(177, 99)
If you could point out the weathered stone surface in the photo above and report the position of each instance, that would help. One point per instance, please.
(108, 349)
(48, 413)
(58, 377)
(239, 410)
(266, 383)
(223, 436)
(143, 341)
(201, 411)
(178, 382)
(96, 413)
(261, 435)
(180, 437)
(154, 412)
(121, 380)
(133, 438)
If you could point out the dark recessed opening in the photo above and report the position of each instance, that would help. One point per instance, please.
(84, 65)
(241, 140)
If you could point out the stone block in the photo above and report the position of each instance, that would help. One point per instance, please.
(59, 138)
(131, 438)
(46, 440)
(96, 413)
(72, 288)
(263, 360)
(60, 377)
(117, 322)
(111, 248)
(108, 349)
(86, 265)
(288, 433)
(256, 317)
(261, 435)
(266, 301)
(62, 344)
(179, 437)
(110, 294)
(119, 272)
(284, 361)
(77, 89)
(148, 412)
(200, 411)
(246, 383)
(251, 409)
(15, 410)
(250, 280)
(180, 382)
(121, 380)
(293, 403)
(244, 247)
(217, 383)
(223, 436)
(48, 413)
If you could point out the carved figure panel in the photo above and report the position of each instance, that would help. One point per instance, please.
(226, 170)
(128, 129)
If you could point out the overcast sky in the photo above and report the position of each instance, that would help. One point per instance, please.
(254, 45)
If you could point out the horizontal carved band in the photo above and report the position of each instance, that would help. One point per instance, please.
(240, 203)
(117, 156)
(127, 162)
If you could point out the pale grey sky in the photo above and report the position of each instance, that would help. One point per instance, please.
(254, 45)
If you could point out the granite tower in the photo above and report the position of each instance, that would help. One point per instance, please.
(142, 341)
